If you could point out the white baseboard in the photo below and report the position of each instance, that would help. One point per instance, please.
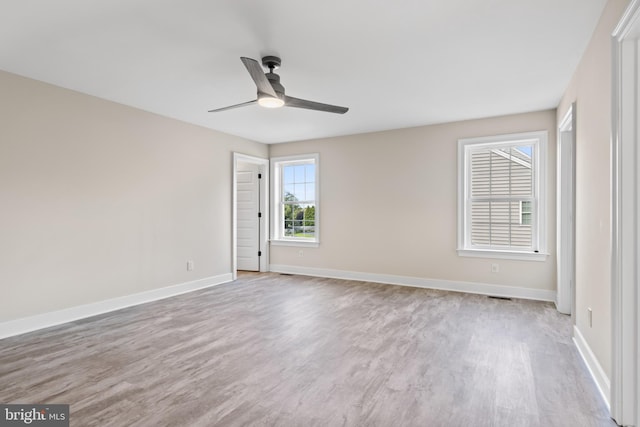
(53, 318)
(596, 371)
(417, 282)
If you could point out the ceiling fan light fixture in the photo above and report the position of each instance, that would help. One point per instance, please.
(270, 102)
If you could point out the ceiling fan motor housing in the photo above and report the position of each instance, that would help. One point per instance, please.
(274, 79)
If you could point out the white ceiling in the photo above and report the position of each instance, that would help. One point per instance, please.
(395, 64)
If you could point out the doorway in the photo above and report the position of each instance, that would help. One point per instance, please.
(565, 301)
(250, 213)
(625, 297)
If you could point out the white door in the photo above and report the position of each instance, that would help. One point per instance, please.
(248, 211)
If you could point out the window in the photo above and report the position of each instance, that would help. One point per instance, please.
(501, 209)
(525, 212)
(295, 200)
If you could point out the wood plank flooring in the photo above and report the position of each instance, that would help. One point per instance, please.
(279, 350)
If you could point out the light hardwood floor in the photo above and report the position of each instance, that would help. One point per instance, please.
(281, 350)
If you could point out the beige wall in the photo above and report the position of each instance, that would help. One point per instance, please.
(388, 204)
(590, 88)
(99, 200)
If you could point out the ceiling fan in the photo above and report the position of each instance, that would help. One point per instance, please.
(271, 92)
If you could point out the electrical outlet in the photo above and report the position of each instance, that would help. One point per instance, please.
(590, 314)
(190, 265)
(495, 268)
(300, 252)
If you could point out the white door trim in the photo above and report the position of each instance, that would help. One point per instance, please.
(625, 375)
(264, 208)
(565, 301)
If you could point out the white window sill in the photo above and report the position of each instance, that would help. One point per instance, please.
(299, 243)
(488, 253)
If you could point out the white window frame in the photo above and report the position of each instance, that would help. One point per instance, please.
(538, 140)
(277, 237)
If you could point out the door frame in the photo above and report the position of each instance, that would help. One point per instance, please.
(566, 203)
(625, 233)
(264, 209)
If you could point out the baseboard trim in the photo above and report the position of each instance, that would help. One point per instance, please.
(596, 371)
(418, 282)
(53, 318)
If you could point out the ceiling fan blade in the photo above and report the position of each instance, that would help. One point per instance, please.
(230, 107)
(257, 74)
(290, 101)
